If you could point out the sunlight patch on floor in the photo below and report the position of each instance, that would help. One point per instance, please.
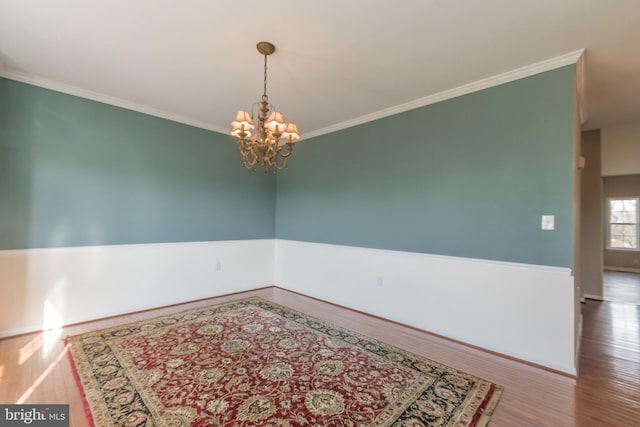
(29, 348)
(47, 340)
(42, 377)
(50, 340)
(626, 326)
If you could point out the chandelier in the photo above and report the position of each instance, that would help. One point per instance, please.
(272, 142)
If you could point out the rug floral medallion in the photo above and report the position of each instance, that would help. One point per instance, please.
(255, 363)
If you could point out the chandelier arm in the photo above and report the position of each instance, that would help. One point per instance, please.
(283, 165)
(241, 146)
(256, 158)
(245, 162)
(273, 148)
(250, 158)
(287, 153)
(245, 147)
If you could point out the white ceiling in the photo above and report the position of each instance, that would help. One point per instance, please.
(336, 60)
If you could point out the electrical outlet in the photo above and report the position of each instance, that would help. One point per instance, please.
(218, 266)
(548, 222)
(380, 280)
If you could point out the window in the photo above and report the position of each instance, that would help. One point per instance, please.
(622, 227)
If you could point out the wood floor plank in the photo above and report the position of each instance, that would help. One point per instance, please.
(606, 393)
(621, 287)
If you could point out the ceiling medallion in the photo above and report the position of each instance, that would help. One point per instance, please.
(272, 142)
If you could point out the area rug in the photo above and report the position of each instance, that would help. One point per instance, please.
(255, 363)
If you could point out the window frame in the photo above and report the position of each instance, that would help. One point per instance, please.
(637, 224)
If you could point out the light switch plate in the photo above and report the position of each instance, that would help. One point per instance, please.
(548, 222)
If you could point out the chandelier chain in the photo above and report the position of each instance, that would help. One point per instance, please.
(264, 93)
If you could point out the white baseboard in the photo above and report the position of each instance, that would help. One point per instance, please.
(623, 269)
(524, 311)
(44, 288)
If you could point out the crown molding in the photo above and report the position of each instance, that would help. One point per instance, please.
(106, 99)
(529, 70)
(499, 79)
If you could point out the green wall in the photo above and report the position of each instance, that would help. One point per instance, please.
(467, 177)
(75, 172)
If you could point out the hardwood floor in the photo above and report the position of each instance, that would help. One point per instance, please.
(610, 364)
(34, 368)
(621, 287)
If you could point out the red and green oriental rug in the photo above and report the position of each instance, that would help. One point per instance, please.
(252, 362)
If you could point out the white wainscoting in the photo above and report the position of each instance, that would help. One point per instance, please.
(50, 287)
(524, 311)
(520, 310)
